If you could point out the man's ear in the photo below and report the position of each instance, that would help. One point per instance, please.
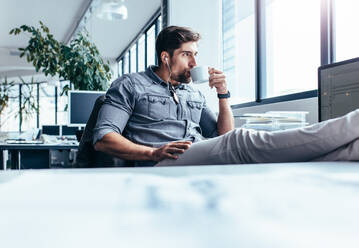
(165, 57)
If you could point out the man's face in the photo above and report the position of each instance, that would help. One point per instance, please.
(182, 61)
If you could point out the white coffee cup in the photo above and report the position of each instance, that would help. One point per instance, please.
(199, 74)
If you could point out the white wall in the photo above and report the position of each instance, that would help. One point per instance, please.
(205, 17)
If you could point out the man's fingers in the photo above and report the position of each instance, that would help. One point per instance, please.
(170, 156)
(181, 144)
(214, 70)
(175, 150)
(217, 84)
(217, 81)
(165, 154)
(217, 76)
(171, 150)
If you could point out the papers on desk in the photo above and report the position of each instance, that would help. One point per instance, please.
(274, 120)
(51, 139)
(29, 135)
(10, 141)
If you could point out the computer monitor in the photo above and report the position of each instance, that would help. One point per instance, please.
(69, 130)
(51, 130)
(80, 106)
(338, 89)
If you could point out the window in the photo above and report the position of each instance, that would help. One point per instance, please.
(40, 94)
(9, 119)
(47, 104)
(292, 46)
(347, 37)
(239, 49)
(28, 119)
(273, 48)
(143, 52)
(62, 104)
(120, 72)
(159, 23)
(126, 68)
(151, 48)
(133, 53)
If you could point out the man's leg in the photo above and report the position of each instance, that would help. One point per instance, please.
(294, 145)
(348, 152)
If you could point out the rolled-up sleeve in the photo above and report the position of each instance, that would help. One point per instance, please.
(208, 122)
(116, 110)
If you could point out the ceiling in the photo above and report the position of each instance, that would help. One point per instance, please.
(62, 17)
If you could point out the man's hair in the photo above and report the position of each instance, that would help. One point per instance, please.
(172, 37)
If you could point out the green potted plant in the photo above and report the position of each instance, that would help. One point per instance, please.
(79, 62)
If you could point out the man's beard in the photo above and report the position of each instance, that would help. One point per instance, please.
(181, 77)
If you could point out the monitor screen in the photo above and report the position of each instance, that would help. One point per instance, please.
(66, 130)
(51, 130)
(338, 89)
(80, 105)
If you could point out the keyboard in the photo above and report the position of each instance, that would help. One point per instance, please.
(24, 141)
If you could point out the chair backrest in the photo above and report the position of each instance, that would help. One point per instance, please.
(87, 156)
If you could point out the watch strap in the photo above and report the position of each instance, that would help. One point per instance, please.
(222, 96)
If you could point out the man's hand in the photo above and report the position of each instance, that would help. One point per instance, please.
(170, 150)
(225, 121)
(217, 79)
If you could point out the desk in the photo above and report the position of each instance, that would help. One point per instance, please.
(262, 205)
(37, 155)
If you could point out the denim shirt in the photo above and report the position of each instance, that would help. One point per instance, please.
(141, 108)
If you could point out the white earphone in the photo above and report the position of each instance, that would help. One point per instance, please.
(168, 65)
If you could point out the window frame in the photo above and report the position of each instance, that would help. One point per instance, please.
(153, 21)
(37, 95)
(327, 53)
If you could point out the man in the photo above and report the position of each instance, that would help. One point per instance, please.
(153, 117)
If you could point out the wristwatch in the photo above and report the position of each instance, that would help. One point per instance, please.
(227, 95)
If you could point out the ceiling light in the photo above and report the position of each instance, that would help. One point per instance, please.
(111, 10)
(104, 9)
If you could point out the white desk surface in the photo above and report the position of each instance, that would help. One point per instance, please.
(263, 205)
(45, 146)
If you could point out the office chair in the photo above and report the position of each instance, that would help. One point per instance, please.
(87, 156)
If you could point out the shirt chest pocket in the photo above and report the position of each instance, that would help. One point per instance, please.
(195, 108)
(158, 107)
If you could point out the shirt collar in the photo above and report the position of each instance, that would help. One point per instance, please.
(150, 71)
